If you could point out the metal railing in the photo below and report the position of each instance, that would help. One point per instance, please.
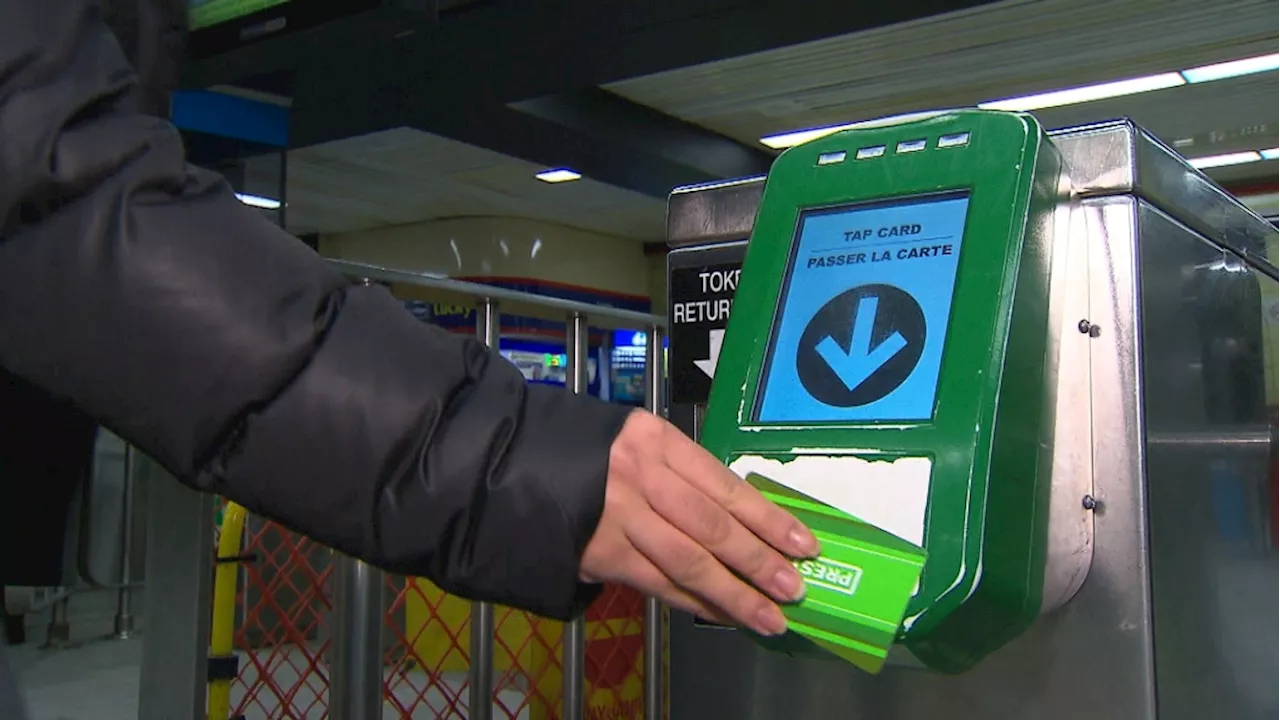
(356, 680)
(176, 655)
(83, 579)
(480, 689)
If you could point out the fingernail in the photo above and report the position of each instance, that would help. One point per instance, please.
(789, 584)
(771, 621)
(804, 543)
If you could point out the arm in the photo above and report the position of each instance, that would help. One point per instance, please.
(141, 289)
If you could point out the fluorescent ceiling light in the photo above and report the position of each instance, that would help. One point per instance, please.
(258, 201)
(718, 184)
(1272, 154)
(1213, 161)
(558, 175)
(799, 137)
(1234, 68)
(1087, 93)
(1070, 96)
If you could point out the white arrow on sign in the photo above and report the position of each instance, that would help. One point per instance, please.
(861, 360)
(708, 366)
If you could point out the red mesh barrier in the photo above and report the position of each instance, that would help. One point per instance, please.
(282, 639)
(428, 655)
(281, 634)
(527, 680)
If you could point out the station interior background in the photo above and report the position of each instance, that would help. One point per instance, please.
(684, 92)
(415, 138)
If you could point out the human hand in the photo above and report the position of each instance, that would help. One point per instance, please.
(680, 526)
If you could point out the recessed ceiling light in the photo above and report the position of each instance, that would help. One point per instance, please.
(1213, 161)
(558, 175)
(1087, 93)
(1234, 68)
(258, 201)
(1272, 154)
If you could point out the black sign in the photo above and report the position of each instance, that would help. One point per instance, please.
(861, 346)
(701, 286)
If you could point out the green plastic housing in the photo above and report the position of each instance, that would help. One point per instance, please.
(988, 441)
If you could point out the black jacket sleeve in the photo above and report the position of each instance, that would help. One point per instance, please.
(140, 289)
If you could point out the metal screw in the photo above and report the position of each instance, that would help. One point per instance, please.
(1089, 502)
(1084, 326)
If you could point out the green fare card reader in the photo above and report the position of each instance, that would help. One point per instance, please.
(890, 374)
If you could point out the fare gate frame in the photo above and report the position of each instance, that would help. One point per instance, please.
(1104, 640)
(356, 687)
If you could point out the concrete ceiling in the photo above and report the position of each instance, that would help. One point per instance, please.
(400, 176)
(958, 59)
(998, 51)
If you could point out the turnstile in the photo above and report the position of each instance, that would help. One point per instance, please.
(1176, 618)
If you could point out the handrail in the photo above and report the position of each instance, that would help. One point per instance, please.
(84, 533)
(1258, 437)
(435, 281)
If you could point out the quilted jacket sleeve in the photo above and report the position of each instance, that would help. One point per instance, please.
(140, 289)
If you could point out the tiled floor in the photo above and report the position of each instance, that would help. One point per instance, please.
(94, 681)
(98, 680)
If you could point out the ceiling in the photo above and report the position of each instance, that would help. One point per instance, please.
(696, 123)
(997, 51)
(403, 175)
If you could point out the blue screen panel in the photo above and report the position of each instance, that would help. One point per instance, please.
(861, 327)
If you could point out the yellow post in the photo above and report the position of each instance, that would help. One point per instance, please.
(221, 639)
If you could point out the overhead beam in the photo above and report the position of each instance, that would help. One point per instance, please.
(462, 76)
(526, 49)
(483, 123)
(513, 133)
(611, 118)
(518, 50)
(213, 151)
(289, 52)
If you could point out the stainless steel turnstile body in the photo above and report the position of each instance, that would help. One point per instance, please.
(1178, 616)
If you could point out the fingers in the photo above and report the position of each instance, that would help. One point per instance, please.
(648, 579)
(763, 518)
(610, 556)
(711, 526)
(694, 569)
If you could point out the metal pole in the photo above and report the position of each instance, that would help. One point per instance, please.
(355, 684)
(574, 661)
(482, 622)
(355, 678)
(124, 594)
(283, 191)
(655, 616)
(58, 634)
(179, 573)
